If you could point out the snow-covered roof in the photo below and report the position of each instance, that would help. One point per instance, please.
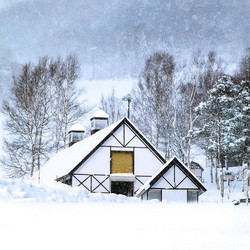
(99, 114)
(64, 161)
(151, 181)
(196, 164)
(77, 127)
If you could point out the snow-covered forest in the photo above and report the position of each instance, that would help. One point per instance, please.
(179, 69)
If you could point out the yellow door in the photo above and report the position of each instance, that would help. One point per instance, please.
(122, 162)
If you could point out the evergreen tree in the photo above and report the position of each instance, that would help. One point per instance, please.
(238, 135)
(218, 112)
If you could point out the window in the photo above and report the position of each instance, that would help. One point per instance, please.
(122, 187)
(76, 136)
(122, 162)
(192, 196)
(154, 194)
(99, 123)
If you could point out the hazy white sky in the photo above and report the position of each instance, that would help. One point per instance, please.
(8, 3)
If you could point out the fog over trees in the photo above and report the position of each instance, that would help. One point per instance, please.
(113, 38)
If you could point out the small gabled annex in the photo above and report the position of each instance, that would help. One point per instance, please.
(173, 182)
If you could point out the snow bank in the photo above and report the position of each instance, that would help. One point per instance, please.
(56, 216)
(123, 225)
(23, 190)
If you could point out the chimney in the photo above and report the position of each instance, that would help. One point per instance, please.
(76, 133)
(99, 120)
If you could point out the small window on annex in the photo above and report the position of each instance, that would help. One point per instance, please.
(192, 196)
(154, 194)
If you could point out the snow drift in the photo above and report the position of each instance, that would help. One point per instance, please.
(23, 190)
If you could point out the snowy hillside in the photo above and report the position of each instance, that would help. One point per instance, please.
(96, 88)
(114, 39)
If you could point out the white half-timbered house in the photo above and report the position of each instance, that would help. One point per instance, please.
(173, 182)
(117, 159)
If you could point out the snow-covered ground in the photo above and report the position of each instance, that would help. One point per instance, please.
(58, 217)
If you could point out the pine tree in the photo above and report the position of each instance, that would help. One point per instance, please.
(238, 136)
(218, 112)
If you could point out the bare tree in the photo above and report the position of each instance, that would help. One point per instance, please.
(243, 72)
(43, 104)
(27, 119)
(152, 101)
(65, 103)
(113, 106)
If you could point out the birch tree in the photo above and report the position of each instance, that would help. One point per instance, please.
(65, 106)
(200, 75)
(114, 107)
(152, 100)
(27, 118)
(43, 104)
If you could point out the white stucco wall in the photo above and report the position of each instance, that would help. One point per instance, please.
(175, 177)
(174, 195)
(97, 163)
(146, 162)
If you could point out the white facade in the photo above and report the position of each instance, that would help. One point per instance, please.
(95, 173)
(172, 183)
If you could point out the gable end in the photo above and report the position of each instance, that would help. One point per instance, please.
(123, 122)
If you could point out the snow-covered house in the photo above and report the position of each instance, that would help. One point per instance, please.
(119, 159)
